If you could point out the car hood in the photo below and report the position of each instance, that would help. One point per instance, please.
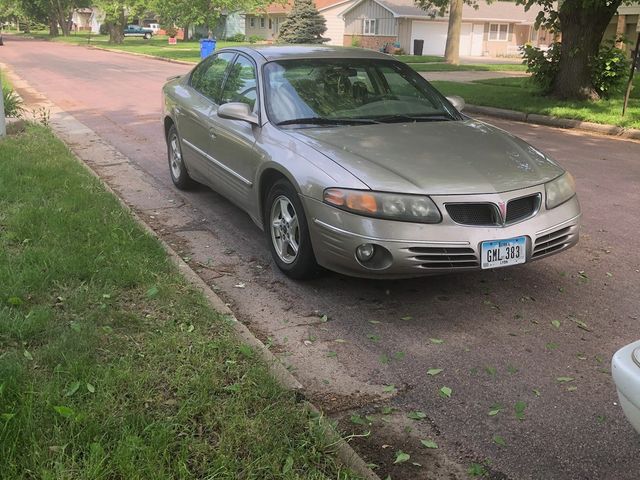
(435, 158)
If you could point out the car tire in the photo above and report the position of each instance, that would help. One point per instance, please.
(147, 36)
(283, 204)
(177, 168)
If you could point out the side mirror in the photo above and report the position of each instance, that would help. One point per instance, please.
(237, 111)
(457, 102)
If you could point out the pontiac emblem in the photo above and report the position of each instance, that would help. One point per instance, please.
(502, 206)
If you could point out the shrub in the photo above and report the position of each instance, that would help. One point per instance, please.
(238, 37)
(171, 31)
(13, 106)
(304, 24)
(355, 41)
(543, 66)
(609, 70)
(255, 38)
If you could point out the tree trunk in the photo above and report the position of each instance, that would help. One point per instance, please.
(582, 31)
(116, 29)
(452, 50)
(185, 31)
(53, 27)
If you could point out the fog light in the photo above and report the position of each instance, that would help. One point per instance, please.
(365, 252)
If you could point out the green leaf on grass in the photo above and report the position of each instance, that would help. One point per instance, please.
(434, 371)
(387, 410)
(75, 326)
(66, 412)
(288, 465)
(401, 457)
(7, 416)
(551, 346)
(491, 371)
(27, 355)
(384, 359)
(498, 440)
(389, 389)
(477, 470)
(519, 408)
(429, 443)
(373, 337)
(73, 388)
(358, 420)
(91, 388)
(399, 355)
(445, 392)
(564, 379)
(555, 323)
(245, 350)
(332, 354)
(536, 392)
(153, 292)
(417, 415)
(14, 301)
(436, 341)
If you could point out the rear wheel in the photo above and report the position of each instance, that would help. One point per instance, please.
(147, 36)
(288, 233)
(179, 174)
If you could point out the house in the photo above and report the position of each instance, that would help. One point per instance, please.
(81, 19)
(494, 30)
(266, 24)
(623, 25)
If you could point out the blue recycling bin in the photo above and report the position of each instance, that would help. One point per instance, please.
(207, 47)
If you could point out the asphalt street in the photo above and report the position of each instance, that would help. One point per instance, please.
(502, 338)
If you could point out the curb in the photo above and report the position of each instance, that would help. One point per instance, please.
(136, 54)
(345, 453)
(566, 123)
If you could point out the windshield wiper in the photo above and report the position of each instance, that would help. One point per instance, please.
(326, 121)
(413, 118)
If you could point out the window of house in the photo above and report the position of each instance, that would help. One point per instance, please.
(252, 21)
(499, 31)
(261, 22)
(369, 27)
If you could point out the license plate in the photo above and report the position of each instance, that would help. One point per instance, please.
(502, 253)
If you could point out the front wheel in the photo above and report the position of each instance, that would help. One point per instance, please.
(147, 36)
(179, 174)
(287, 232)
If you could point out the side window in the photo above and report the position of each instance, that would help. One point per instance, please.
(241, 83)
(207, 78)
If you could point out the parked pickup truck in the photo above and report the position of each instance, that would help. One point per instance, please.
(138, 31)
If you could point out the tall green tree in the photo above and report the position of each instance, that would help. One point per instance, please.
(202, 12)
(582, 24)
(116, 14)
(304, 24)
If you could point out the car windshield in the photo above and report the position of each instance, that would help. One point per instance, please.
(350, 92)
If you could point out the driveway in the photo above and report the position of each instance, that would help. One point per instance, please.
(531, 344)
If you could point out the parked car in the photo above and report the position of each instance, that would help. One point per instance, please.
(138, 31)
(351, 160)
(625, 369)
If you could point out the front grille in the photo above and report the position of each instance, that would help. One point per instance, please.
(521, 208)
(552, 242)
(473, 213)
(445, 257)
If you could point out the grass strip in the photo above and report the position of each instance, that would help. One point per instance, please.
(519, 94)
(111, 365)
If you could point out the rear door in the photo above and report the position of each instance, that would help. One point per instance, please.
(194, 113)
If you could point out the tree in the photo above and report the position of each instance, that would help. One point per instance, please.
(303, 24)
(116, 13)
(582, 24)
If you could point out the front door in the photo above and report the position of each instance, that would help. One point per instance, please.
(232, 142)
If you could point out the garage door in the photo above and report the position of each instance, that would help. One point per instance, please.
(434, 35)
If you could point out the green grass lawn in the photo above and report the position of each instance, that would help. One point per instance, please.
(488, 67)
(519, 94)
(419, 58)
(111, 365)
(157, 46)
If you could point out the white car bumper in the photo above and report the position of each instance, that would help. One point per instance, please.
(625, 368)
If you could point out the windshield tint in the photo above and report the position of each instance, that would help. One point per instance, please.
(347, 90)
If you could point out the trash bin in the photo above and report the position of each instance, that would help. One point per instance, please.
(418, 46)
(207, 47)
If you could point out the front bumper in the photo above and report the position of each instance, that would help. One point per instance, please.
(427, 249)
(626, 375)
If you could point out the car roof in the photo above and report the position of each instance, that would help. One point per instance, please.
(267, 53)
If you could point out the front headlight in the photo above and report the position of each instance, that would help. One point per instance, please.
(560, 190)
(390, 206)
